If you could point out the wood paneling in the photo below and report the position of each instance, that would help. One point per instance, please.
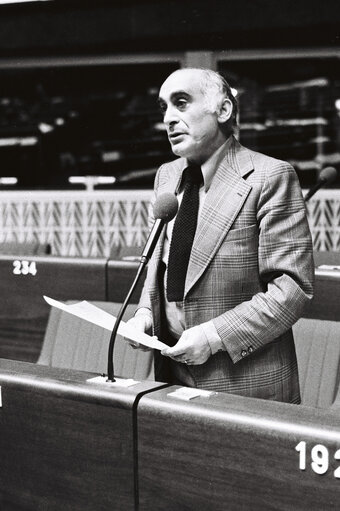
(233, 453)
(65, 444)
(23, 311)
(326, 301)
(120, 276)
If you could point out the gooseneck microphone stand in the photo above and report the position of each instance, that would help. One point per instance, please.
(165, 209)
(110, 369)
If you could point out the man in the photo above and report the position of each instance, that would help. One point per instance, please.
(249, 272)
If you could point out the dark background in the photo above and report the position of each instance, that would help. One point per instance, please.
(65, 110)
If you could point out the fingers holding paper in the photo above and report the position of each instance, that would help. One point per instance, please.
(141, 323)
(192, 347)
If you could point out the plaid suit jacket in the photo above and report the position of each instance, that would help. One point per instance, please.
(250, 272)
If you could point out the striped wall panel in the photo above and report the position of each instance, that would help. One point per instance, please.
(90, 224)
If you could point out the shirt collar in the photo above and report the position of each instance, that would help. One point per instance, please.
(210, 166)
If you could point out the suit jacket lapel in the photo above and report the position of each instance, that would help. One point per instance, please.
(169, 179)
(225, 198)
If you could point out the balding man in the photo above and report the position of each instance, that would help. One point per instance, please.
(233, 271)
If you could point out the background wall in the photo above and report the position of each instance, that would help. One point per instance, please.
(78, 99)
(166, 25)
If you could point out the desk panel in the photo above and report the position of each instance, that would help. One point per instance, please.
(120, 276)
(23, 311)
(326, 301)
(233, 453)
(65, 444)
(326, 257)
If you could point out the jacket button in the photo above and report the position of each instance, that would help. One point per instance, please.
(243, 353)
(250, 349)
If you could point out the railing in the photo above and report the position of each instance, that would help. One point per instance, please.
(90, 224)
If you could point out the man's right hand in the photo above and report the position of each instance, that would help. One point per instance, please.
(142, 322)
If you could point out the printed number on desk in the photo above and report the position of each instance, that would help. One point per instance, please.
(24, 267)
(319, 458)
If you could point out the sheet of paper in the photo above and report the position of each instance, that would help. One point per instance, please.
(97, 316)
(186, 393)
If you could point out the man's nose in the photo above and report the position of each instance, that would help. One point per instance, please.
(170, 116)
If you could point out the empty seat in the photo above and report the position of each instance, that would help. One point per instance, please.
(73, 343)
(318, 352)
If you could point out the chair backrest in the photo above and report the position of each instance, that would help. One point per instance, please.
(72, 343)
(317, 345)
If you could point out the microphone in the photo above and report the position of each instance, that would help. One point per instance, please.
(164, 210)
(327, 175)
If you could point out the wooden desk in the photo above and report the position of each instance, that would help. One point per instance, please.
(326, 301)
(233, 453)
(66, 444)
(120, 276)
(326, 258)
(23, 311)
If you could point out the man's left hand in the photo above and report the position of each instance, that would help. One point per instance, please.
(192, 347)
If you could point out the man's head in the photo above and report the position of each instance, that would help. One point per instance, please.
(199, 112)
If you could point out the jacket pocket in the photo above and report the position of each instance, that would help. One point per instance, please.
(242, 233)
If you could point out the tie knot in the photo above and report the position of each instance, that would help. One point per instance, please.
(193, 174)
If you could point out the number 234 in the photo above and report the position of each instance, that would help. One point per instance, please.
(24, 267)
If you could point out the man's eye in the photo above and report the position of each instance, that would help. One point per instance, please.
(181, 104)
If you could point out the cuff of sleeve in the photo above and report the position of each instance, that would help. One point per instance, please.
(213, 338)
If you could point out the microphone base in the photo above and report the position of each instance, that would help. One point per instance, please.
(118, 382)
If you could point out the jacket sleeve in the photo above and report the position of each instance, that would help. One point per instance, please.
(286, 268)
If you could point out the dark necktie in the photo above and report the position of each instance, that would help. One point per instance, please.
(183, 234)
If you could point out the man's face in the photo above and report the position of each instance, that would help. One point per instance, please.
(193, 131)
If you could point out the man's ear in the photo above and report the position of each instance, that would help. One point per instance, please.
(225, 111)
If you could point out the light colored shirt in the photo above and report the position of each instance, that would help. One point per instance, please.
(174, 310)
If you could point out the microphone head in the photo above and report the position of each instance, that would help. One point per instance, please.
(328, 174)
(165, 207)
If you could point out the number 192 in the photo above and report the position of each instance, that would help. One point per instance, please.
(319, 458)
